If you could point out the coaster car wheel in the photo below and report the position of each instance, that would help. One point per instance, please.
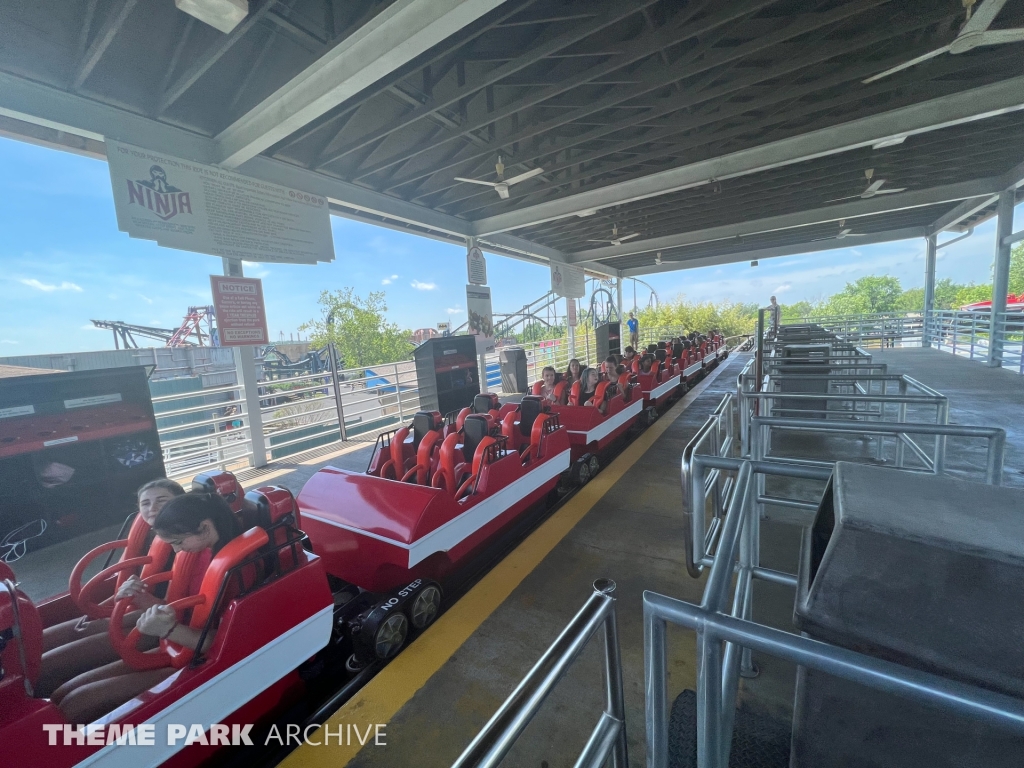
(425, 606)
(595, 464)
(581, 470)
(390, 636)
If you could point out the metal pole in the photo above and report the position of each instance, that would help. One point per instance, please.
(336, 375)
(245, 366)
(1001, 278)
(398, 390)
(929, 284)
(618, 290)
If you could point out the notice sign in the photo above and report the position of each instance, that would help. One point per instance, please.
(567, 280)
(476, 266)
(201, 208)
(241, 316)
(570, 312)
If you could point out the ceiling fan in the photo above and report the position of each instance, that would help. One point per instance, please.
(615, 239)
(874, 188)
(844, 231)
(974, 33)
(502, 184)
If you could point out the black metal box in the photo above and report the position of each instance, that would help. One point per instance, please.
(512, 362)
(447, 373)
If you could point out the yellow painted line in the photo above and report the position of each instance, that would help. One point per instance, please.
(381, 698)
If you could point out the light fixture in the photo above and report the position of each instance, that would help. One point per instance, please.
(224, 15)
(753, 263)
(890, 142)
(657, 259)
(584, 214)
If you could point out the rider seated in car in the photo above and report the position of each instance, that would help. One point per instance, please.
(591, 378)
(573, 372)
(549, 378)
(608, 368)
(646, 363)
(196, 522)
(77, 645)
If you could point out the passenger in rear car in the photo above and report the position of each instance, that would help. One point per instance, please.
(81, 644)
(591, 378)
(196, 522)
(547, 387)
(573, 372)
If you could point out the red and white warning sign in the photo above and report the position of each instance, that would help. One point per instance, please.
(241, 315)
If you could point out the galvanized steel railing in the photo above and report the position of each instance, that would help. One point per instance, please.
(608, 739)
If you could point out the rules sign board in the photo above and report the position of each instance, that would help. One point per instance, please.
(241, 315)
(201, 208)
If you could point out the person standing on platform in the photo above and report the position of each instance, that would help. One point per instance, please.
(634, 330)
(774, 316)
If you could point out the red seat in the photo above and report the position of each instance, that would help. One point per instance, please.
(574, 394)
(626, 386)
(18, 615)
(599, 394)
(224, 484)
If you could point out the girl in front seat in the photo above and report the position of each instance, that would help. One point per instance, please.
(197, 523)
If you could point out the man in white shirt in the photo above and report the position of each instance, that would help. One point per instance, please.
(774, 315)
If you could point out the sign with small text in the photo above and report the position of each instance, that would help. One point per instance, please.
(241, 314)
(476, 266)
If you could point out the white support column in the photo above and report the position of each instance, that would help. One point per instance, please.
(1001, 277)
(618, 291)
(245, 367)
(929, 286)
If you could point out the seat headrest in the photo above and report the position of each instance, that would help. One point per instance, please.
(422, 422)
(662, 345)
(268, 505)
(485, 402)
(224, 484)
(652, 347)
(677, 350)
(529, 409)
(474, 429)
(661, 354)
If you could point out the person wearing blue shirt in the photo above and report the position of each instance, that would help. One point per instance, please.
(634, 330)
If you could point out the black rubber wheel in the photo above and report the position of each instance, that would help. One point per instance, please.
(390, 636)
(425, 606)
(652, 415)
(581, 470)
(594, 465)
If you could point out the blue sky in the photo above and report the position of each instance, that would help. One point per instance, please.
(64, 262)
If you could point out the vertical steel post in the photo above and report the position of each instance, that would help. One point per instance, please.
(398, 391)
(618, 290)
(336, 375)
(614, 698)
(929, 284)
(1001, 278)
(245, 368)
(656, 684)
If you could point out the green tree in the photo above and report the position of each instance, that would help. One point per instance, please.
(871, 294)
(359, 329)
(1017, 269)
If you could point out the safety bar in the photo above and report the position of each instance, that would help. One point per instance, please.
(761, 426)
(608, 739)
(719, 667)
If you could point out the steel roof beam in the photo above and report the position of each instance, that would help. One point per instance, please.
(962, 212)
(102, 40)
(769, 253)
(390, 40)
(855, 209)
(610, 14)
(955, 109)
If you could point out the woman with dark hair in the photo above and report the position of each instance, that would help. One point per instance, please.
(196, 523)
(573, 372)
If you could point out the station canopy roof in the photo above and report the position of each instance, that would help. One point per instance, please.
(698, 131)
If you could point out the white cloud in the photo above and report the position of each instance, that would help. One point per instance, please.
(144, 298)
(455, 311)
(423, 286)
(8, 341)
(255, 269)
(389, 280)
(782, 288)
(48, 287)
(90, 327)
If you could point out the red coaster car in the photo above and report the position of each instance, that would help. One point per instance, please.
(265, 601)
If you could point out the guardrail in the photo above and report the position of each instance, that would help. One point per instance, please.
(211, 428)
(608, 738)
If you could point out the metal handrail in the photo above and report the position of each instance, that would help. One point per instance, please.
(608, 738)
(995, 437)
